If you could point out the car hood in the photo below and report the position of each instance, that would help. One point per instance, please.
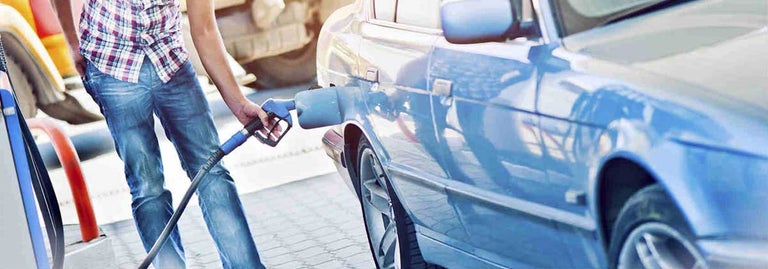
(716, 50)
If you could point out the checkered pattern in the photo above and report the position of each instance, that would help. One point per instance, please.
(116, 35)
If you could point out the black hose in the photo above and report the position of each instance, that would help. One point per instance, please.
(210, 163)
(46, 199)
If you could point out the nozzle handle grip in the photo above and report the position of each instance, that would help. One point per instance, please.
(265, 139)
(253, 126)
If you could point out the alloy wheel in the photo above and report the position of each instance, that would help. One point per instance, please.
(658, 246)
(379, 212)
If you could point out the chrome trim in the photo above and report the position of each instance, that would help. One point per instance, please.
(408, 174)
(546, 20)
(526, 207)
(497, 200)
(405, 27)
(333, 143)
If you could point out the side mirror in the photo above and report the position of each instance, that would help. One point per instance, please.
(476, 21)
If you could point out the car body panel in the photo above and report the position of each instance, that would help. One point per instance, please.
(394, 63)
(562, 110)
(676, 100)
(497, 181)
(338, 63)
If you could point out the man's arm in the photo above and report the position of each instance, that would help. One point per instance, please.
(210, 47)
(64, 13)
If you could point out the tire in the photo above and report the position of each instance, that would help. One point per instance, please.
(405, 253)
(22, 87)
(287, 69)
(651, 226)
(29, 84)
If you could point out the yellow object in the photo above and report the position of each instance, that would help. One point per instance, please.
(22, 6)
(56, 45)
(13, 23)
(59, 50)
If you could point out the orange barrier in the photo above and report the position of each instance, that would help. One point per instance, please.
(71, 164)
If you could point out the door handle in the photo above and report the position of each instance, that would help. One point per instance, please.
(442, 87)
(372, 74)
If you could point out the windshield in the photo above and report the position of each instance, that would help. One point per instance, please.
(598, 8)
(580, 15)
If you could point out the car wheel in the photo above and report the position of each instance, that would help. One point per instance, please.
(391, 234)
(286, 69)
(651, 233)
(21, 87)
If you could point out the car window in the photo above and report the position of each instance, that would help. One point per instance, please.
(581, 15)
(597, 8)
(527, 16)
(527, 11)
(423, 13)
(384, 10)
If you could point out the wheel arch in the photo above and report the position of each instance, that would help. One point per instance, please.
(352, 134)
(619, 178)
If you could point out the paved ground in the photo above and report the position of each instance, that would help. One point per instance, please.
(312, 223)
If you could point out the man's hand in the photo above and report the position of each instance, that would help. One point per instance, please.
(248, 111)
(79, 62)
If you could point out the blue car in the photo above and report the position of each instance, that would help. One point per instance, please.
(554, 133)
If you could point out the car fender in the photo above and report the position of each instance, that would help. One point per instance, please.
(47, 80)
(354, 113)
(662, 158)
(353, 107)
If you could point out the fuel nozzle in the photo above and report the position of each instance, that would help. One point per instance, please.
(279, 111)
(315, 108)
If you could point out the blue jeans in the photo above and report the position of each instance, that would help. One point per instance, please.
(184, 113)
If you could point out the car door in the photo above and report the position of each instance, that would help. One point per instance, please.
(484, 98)
(394, 58)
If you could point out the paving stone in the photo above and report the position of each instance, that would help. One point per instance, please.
(360, 258)
(303, 245)
(330, 238)
(343, 243)
(277, 251)
(290, 265)
(280, 259)
(348, 251)
(330, 264)
(323, 257)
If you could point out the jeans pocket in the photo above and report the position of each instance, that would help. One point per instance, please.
(88, 86)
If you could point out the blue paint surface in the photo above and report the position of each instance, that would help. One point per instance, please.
(25, 179)
(484, 164)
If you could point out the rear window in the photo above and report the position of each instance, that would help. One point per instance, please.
(423, 13)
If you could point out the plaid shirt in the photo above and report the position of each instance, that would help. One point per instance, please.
(117, 35)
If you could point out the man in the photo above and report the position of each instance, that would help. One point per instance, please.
(133, 64)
